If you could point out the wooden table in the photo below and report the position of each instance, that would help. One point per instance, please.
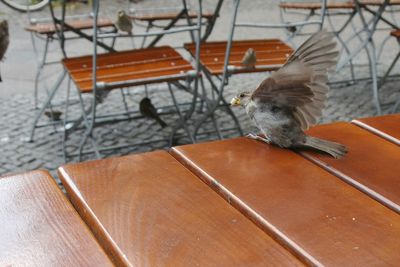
(39, 226)
(240, 202)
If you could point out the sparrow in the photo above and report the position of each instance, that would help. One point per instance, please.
(4, 39)
(249, 59)
(291, 100)
(148, 110)
(124, 23)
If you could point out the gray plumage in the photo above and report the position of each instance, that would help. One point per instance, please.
(124, 22)
(249, 59)
(292, 98)
(4, 39)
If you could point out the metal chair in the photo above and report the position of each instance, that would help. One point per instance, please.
(168, 17)
(220, 60)
(97, 74)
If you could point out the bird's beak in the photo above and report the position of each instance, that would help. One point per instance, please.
(235, 101)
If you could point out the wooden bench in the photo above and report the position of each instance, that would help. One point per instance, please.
(127, 68)
(39, 226)
(322, 219)
(150, 17)
(271, 55)
(317, 6)
(78, 24)
(148, 209)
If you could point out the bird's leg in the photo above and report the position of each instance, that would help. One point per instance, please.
(259, 138)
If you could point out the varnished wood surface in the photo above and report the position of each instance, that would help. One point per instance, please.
(148, 210)
(387, 126)
(315, 6)
(372, 164)
(395, 33)
(79, 24)
(39, 226)
(271, 54)
(161, 62)
(167, 16)
(320, 217)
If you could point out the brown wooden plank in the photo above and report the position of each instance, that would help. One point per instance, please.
(271, 54)
(162, 63)
(39, 226)
(372, 164)
(148, 210)
(137, 55)
(167, 16)
(395, 33)
(321, 218)
(79, 24)
(379, 2)
(387, 126)
(315, 6)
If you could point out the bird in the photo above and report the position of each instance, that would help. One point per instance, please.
(4, 39)
(291, 100)
(249, 59)
(148, 110)
(124, 23)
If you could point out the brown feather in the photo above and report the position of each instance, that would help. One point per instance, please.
(301, 82)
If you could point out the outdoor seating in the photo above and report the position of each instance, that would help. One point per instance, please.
(170, 16)
(46, 29)
(132, 68)
(222, 59)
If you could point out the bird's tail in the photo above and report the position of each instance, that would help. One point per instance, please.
(336, 150)
(161, 122)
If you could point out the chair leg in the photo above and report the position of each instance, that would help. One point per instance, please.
(374, 75)
(46, 104)
(89, 129)
(182, 119)
(64, 135)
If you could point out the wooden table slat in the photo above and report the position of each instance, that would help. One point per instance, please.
(148, 209)
(323, 219)
(39, 226)
(387, 126)
(372, 164)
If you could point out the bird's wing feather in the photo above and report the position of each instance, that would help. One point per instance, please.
(301, 82)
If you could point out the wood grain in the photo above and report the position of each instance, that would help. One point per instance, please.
(387, 126)
(128, 66)
(271, 54)
(148, 210)
(79, 24)
(313, 213)
(39, 226)
(372, 164)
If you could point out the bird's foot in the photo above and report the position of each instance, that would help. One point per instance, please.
(259, 138)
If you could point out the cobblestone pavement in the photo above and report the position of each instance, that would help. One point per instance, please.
(17, 107)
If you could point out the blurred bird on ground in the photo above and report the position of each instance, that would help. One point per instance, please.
(148, 110)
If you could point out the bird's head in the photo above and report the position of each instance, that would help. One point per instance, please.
(241, 99)
(121, 13)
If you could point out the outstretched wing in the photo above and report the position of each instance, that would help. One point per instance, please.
(301, 82)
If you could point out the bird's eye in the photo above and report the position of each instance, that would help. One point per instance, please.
(241, 95)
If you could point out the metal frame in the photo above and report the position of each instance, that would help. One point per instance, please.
(57, 35)
(229, 70)
(89, 115)
(183, 13)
